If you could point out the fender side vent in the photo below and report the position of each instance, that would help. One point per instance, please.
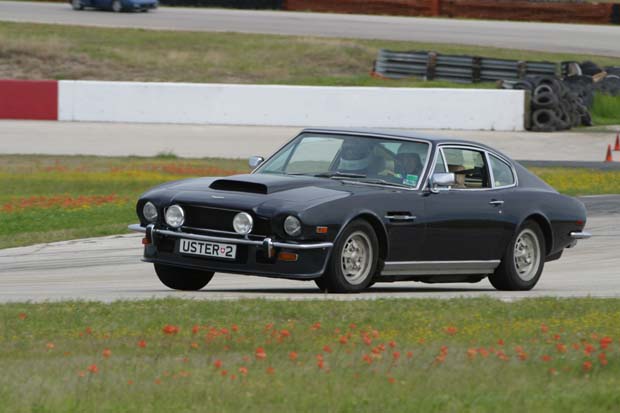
(238, 186)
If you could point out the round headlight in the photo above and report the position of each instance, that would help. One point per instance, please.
(149, 211)
(243, 223)
(175, 217)
(292, 226)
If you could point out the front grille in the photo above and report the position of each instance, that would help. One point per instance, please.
(219, 219)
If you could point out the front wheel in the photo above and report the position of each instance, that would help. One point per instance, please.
(523, 261)
(184, 279)
(353, 260)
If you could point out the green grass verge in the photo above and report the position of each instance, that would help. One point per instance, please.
(606, 110)
(480, 355)
(53, 198)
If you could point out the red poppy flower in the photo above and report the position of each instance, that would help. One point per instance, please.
(605, 342)
(391, 380)
(93, 368)
(343, 340)
(260, 353)
(471, 353)
(142, 344)
(396, 355)
(170, 329)
(587, 365)
(243, 370)
(544, 328)
(22, 316)
(107, 353)
(327, 348)
(50, 346)
(561, 348)
(195, 329)
(546, 358)
(292, 356)
(500, 342)
(410, 354)
(451, 330)
(217, 364)
(270, 370)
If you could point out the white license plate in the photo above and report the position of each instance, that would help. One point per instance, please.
(207, 249)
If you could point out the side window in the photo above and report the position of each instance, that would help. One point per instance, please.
(502, 172)
(440, 166)
(469, 167)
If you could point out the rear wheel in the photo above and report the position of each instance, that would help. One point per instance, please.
(184, 279)
(523, 261)
(353, 261)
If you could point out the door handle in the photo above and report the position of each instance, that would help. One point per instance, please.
(401, 218)
(496, 202)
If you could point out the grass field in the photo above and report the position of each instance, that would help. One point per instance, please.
(52, 198)
(457, 355)
(39, 51)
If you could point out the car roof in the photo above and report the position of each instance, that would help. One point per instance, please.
(401, 133)
(397, 133)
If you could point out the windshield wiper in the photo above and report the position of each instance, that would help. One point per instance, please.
(339, 175)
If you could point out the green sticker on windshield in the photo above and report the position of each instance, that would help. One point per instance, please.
(411, 180)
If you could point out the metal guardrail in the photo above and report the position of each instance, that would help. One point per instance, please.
(465, 69)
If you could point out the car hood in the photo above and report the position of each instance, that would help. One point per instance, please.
(263, 193)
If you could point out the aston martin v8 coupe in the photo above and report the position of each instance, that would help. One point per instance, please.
(348, 208)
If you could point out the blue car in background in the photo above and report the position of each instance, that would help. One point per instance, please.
(115, 5)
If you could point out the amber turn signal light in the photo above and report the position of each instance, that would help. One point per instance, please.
(146, 241)
(287, 256)
(321, 230)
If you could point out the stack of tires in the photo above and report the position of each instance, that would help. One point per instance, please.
(557, 105)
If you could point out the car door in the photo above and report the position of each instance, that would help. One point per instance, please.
(466, 222)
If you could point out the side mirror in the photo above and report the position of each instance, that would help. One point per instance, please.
(442, 182)
(254, 161)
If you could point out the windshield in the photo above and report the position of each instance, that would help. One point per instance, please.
(375, 160)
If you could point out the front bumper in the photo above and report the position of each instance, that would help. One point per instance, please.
(256, 257)
(576, 236)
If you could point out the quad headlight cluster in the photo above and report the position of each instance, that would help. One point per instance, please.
(292, 226)
(243, 223)
(149, 211)
(175, 217)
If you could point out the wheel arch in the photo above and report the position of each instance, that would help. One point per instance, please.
(377, 225)
(545, 227)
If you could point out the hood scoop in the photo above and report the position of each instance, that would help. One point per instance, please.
(263, 183)
(239, 186)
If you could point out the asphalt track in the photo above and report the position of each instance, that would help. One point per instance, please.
(550, 37)
(109, 268)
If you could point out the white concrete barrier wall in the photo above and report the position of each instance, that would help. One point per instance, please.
(274, 105)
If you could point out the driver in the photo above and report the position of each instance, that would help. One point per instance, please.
(355, 156)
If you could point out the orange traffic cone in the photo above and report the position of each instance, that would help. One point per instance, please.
(609, 158)
(617, 147)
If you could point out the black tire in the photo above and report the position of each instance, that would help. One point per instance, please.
(183, 279)
(507, 276)
(358, 233)
(545, 100)
(544, 120)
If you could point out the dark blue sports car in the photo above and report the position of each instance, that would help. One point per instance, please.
(351, 208)
(115, 5)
